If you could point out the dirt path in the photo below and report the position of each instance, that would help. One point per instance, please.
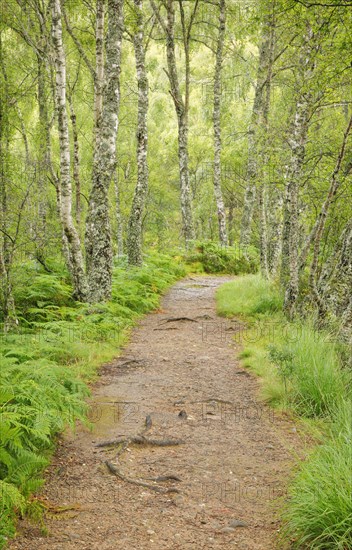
(232, 465)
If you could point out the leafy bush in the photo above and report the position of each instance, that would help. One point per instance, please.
(284, 361)
(219, 259)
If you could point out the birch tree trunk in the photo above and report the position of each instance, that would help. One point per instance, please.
(99, 63)
(290, 266)
(76, 163)
(297, 141)
(264, 204)
(76, 264)
(263, 232)
(334, 185)
(98, 233)
(275, 200)
(43, 146)
(8, 304)
(96, 72)
(181, 106)
(256, 120)
(118, 217)
(134, 237)
(217, 125)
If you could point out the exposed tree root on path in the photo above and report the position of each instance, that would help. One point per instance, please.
(141, 440)
(114, 470)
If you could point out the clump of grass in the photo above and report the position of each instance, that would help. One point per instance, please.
(318, 513)
(248, 296)
(314, 379)
(258, 302)
(306, 362)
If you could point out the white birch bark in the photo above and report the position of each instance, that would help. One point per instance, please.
(263, 232)
(275, 200)
(43, 148)
(134, 237)
(334, 185)
(118, 218)
(256, 120)
(99, 63)
(96, 72)
(98, 232)
(217, 125)
(76, 163)
(181, 107)
(289, 269)
(265, 216)
(297, 141)
(76, 264)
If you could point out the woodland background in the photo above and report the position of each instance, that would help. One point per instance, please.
(140, 140)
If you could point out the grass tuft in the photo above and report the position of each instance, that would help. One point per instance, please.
(318, 513)
(247, 296)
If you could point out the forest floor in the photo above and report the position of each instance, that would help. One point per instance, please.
(179, 371)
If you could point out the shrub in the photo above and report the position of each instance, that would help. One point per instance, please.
(218, 259)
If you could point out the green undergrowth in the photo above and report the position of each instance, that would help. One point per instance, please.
(47, 363)
(209, 257)
(302, 370)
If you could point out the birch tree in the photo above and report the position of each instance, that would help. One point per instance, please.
(118, 217)
(217, 124)
(297, 142)
(98, 232)
(8, 303)
(253, 132)
(97, 72)
(181, 104)
(42, 53)
(76, 161)
(98, 75)
(134, 238)
(321, 222)
(263, 150)
(76, 264)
